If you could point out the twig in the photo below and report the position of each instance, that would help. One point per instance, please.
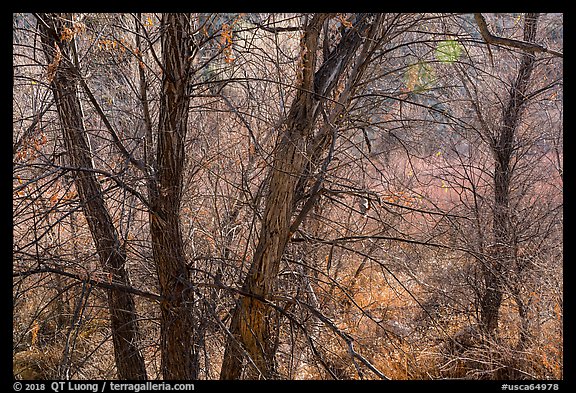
(91, 281)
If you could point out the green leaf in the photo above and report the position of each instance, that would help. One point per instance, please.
(448, 51)
(419, 77)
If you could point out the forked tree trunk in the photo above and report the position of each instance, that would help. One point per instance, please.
(502, 253)
(125, 333)
(179, 359)
(252, 320)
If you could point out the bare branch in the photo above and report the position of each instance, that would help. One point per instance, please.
(525, 46)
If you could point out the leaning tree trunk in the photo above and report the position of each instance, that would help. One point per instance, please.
(179, 360)
(58, 49)
(502, 252)
(252, 320)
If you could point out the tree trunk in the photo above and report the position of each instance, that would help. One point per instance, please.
(502, 252)
(179, 360)
(61, 70)
(252, 320)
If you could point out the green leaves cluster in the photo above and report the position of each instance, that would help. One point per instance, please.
(448, 51)
(419, 77)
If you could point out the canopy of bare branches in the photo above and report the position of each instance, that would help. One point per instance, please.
(287, 196)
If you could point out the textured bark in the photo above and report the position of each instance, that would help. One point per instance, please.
(502, 252)
(179, 360)
(129, 361)
(251, 322)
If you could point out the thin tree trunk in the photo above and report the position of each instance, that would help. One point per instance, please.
(179, 358)
(502, 252)
(125, 332)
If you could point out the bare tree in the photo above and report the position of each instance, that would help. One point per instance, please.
(295, 152)
(60, 54)
(178, 345)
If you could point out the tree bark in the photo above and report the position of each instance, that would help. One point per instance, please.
(179, 360)
(502, 251)
(252, 320)
(62, 72)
